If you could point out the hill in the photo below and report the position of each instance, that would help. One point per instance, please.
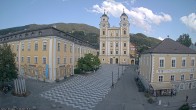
(88, 33)
(142, 40)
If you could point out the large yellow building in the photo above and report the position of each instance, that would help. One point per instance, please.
(47, 53)
(168, 67)
(114, 41)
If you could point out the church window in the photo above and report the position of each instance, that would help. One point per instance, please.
(103, 32)
(124, 32)
(103, 45)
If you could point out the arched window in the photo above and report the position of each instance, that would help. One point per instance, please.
(124, 32)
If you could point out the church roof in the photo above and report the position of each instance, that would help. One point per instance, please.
(124, 14)
(169, 46)
(104, 15)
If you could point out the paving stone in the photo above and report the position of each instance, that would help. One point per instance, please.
(84, 92)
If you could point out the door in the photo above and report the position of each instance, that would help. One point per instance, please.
(111, 61)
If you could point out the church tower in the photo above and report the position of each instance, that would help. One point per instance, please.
(114, 41)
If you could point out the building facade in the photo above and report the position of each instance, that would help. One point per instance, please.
(114, 41)
(168, 67)
(46, 53)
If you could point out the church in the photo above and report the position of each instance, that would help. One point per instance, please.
(115, 41)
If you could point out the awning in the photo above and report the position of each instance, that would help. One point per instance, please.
(161, 86)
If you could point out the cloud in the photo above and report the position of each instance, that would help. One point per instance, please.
(190, 21)
(160, 38)
(139, 16)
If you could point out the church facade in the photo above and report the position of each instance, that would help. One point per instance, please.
(115, 41)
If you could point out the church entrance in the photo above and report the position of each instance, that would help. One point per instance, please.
(116, 60)
(111, 61)
(132, 62)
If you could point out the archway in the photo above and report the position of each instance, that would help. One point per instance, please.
(132, 62)
(116, 60)
(111, 61)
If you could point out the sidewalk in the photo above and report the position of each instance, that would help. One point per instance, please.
(125, 95)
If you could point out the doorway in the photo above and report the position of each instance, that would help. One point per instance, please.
(111, 61)
(116, 60)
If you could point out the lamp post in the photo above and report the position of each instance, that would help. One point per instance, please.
(112, 80)
(118, 73)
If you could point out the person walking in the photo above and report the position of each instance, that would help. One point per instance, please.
(187, 98)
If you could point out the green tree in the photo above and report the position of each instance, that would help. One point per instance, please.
(184, 39)
(8, 69)
(88, 63)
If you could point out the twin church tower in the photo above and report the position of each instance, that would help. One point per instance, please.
(114, 41)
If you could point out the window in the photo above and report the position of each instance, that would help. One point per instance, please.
(103, 59)
(35, 59)
(58, 60)
(28, 59)
(71, 49)
(125, 52)
(160, 78)
(124, 44)
(183, 62)
(29, 46)
(64, 60)
(22, 59)
(192, 62)
(116, 44)
(172, 78)
(111, 52)
(123, 18)
(44, 46)
(71, 60)
(65, 47)
(103, 52)
(116, 52)
(173, 63)
(78, 49)
(22, 47)
(36, 46)
(103, 32)
(17, 47)
(58, 46)
(124, 32)
(111, 45)
(16, 59)
(182, 77)
(161, 63)
(191, 76)
(103, 45)
(44, 60)
(116, 34)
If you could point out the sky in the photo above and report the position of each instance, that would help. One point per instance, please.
(154, 18)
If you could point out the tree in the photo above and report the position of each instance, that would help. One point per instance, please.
(88, 63)
(8, 69)
(184, 39)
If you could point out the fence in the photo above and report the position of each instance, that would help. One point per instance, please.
(20, 86)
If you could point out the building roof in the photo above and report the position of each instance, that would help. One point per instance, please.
(169, 46)
(43, 32)
(124, 14)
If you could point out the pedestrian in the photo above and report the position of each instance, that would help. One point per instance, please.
(187, 98)
(171, 93)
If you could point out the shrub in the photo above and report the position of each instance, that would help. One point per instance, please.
(77, 71)
(150, 100)
(184, 107)
(146, 94)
